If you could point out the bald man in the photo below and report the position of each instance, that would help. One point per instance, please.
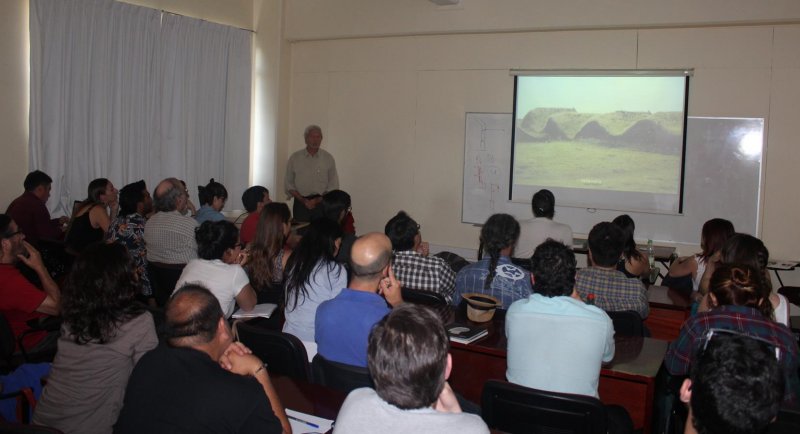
(169, 234)
(201, 381)
(344, 322)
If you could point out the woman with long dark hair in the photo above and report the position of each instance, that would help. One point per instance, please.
(212, 199)
(93, 216)
(268, 253)
(312, 277)
(738, 301)
(713, 236)
(218, 266)
(105, 332)
(633, 262)
(495, 275)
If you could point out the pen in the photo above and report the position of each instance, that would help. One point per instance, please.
(312, 425)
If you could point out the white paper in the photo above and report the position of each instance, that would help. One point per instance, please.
(260, 310)
(323, 425)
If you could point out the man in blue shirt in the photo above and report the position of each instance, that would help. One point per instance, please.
(555, 341)
(343, 323)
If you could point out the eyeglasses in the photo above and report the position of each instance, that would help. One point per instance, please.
(12, 234)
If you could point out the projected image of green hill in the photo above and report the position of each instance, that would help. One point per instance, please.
(577, 164)
(645, 131)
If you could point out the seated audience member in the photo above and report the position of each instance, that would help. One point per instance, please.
(343, 323)
(105, 332)
(749, 250)
(135, 204)
(190, 209)
(169, 234)
(541, 227)
(411, 263)
(612, 290)
(713, 236)
(633, 263)
(336, 206)
(312, 277)
(218, 267)
(254, 199)
(736, 386)
(409, 363)
(91, 218)
(212, 199)
(555, 341)
(201, 381)
(738, 302)
(20, 300)
(30, 210)
(268, 253)
(496, 275)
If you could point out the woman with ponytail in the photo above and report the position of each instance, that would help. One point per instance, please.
(749, 250)
(495, 275)
(739, 304)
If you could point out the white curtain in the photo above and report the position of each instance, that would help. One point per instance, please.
(127, 93)
(205, 98)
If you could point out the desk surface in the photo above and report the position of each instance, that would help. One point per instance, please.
(308, 398)
(628, 380)
(669, 298)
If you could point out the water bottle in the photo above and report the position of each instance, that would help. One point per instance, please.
(651, 254)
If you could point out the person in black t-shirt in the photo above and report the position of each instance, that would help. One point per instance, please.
(201, 382)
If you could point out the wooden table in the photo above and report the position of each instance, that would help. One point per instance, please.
(669, 308)
(628, 380)
(307, 397)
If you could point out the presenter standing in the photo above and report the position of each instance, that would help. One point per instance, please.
(310, 173)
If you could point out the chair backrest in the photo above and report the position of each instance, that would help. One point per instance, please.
(516, 409)
(425, 298)
(24, 403)
(164, 277)
(627, 323)
(7, 342)
(339, 376)
(283, 353)
(787, 422)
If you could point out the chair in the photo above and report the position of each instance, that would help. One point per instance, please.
(787, 422)
(283, 353)
(25, 402)
(10, 358)
(516, 409)
(627, 323)
(164, 277)
(339, 376)
(425, 298)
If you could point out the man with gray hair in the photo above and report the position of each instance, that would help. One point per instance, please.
(310, 173)
(169, 233)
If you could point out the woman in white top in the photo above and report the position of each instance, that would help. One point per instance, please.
(312, 277)
(218, 267)
(749, 250)
(713, 236)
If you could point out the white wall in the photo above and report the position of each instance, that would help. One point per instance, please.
(331, 19)
(14, 73)
(393, 107)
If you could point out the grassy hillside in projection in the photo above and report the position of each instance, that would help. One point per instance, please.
(628, 151)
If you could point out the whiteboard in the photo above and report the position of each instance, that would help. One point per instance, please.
(723, 176)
